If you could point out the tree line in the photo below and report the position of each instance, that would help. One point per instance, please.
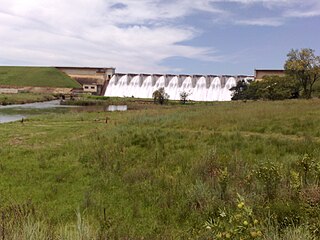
(302, 71)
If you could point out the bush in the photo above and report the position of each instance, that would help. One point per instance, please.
(306, 164)
(270, 88)
(240, 224)
(269, 176)
(160, 96)
(184, 97)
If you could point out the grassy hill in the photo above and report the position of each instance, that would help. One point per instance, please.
(36, 77)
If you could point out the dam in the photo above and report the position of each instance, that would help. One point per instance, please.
(198, 87)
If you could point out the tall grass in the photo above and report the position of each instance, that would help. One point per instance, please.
(161, 173)
(31, 227)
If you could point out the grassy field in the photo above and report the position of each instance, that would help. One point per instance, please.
(226, 170)
(36, 77)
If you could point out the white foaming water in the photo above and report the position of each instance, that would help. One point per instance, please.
(147, 88)
(214, 90)
(172, 88)
(226, 93)
(111, 86)
(200, 90)
(134, 87)
(118, 88)
(160, 83)
(203, 88)
(187, 87)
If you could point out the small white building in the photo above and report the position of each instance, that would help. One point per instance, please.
(93, 79)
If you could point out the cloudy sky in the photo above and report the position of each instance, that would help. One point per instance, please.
(163, 36)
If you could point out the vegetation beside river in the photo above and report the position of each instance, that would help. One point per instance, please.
(224, 170)
(22, 98)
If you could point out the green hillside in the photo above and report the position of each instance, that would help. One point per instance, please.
(36, 77)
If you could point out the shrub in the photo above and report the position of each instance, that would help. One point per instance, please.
(240, 224)
(223, 180)
(269, 176)
(184, 97)
(295, 183)
(270, 88)
(160, 96)
(305, 165)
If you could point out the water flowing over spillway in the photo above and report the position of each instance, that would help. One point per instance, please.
(198, 88)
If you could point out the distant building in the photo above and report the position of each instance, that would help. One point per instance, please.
(94, 80)
(260, 73)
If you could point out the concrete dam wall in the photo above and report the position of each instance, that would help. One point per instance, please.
(199, 87)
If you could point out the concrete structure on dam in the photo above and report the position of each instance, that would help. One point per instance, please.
(94, 80)
(198, 87)
(105, 81)
(259, 74)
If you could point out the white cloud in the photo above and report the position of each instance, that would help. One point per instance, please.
(271, 22)
(310, 8)
(132, 35)
(284, 10)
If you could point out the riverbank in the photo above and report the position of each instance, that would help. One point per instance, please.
(22, 98)
(15, 112)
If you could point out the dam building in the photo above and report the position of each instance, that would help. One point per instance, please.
(260, 73)
(94, 80)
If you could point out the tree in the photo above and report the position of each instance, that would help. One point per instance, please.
(246, 91)
(270, 88)
(278, 88)
(160, 96)
(239, 91)
(184, 97)
(304, 66)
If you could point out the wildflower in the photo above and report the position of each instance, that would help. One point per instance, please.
(240, 205)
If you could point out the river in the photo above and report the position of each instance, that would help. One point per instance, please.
(5, 117)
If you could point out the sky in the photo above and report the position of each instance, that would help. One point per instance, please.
(158, 36)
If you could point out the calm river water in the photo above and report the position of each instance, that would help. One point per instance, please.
(5, 117)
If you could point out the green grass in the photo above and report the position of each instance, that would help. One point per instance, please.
(36, 77)
(156, 171)
(21, 98)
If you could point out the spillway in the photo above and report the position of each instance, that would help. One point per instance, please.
(198, 87)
